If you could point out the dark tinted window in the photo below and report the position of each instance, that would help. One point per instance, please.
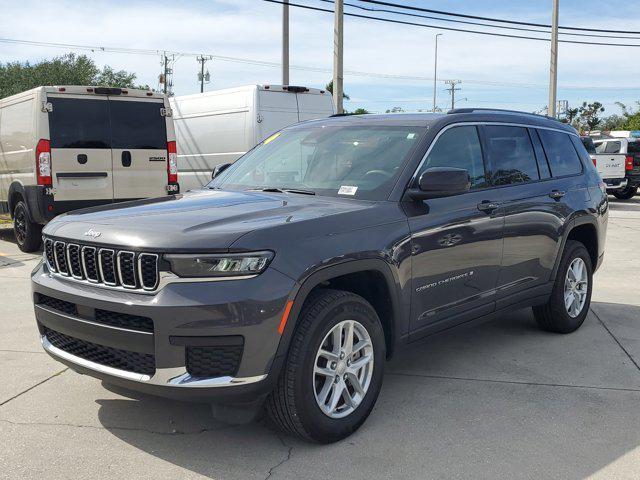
(459, 147)
(137, 125)
(588, 144)
(609, 147)
(510, 155)
(543, 165)
(561, 154)
(633, 148)
(76, 123)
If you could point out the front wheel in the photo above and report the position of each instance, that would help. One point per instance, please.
(27, 233)
(625, 193)
(570, 298)
(333, 372)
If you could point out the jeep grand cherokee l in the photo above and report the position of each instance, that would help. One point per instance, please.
(287, 282)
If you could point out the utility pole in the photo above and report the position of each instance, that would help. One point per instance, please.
(452, 90)
(435, 72)
(285, 42)
(166, 76)
(202, 76)
(553, 70)
(338, 38)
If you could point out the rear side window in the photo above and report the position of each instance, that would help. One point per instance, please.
(137, 125)
(510, 155)
(459, 147)
(76, 123)
(561, 154)
(609, 147)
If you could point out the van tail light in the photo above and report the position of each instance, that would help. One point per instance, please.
(628, 162)
(172, 162)
(595, 163)
(43, 163)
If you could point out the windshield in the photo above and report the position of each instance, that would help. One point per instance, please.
(347, 161)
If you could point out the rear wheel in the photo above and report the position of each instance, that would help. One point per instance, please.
(333, 372)
(27, 233)
(625, 193)
(570, 298)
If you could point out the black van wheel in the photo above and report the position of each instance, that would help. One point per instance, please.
(571, 295)
(625, 193)
(333, 372)
(27, 233)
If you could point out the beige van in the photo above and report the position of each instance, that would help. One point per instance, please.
(68, 147)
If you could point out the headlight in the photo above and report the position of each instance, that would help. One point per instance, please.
(219, 265)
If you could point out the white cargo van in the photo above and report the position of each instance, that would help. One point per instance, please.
(68, 147)
(216, 128)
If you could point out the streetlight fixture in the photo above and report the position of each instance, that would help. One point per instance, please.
(435, 72)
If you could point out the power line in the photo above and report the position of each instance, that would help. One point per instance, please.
(437, 27)
(476, 17)
(265, 63)
(466, 22)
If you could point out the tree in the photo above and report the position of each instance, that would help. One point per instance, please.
(632, 118)
(69, 69)
(359, 111)
(589, 115)
(394, 110)
(329, 88)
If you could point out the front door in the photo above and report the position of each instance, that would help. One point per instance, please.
(456, 242)
(139, 148)
(80, 148)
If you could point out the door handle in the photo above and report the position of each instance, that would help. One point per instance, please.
(126, 158)
(487, 206)
(557, 194)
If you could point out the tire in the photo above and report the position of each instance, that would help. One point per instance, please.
(293, 404)
(626, 193)
(28, 234)
(554, 316)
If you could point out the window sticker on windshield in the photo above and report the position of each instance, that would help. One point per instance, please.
(411, 136)
(272, 138)
(347, 190)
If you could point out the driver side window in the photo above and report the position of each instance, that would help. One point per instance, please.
(459, 147)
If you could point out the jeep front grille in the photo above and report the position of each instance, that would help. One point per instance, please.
(106, 266)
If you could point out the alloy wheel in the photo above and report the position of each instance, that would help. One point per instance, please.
(576, 285)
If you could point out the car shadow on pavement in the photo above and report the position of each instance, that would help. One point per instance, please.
(491, 400)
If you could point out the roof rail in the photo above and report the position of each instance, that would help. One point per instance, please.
(499, 110)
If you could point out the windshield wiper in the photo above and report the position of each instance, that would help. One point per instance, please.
(284, 190)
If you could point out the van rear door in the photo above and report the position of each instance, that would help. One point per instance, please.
(80, 148)
(313, 104)
(276, 110)
(139, 147)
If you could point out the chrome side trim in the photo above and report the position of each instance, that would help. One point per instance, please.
(171, 377)
(92, 365)
(119, 268)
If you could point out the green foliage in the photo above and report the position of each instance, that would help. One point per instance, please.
(69, 69)
(395, 110)
(359, 111)
(588, 115)
(329, 88)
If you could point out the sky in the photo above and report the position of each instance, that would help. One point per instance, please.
(495, 72)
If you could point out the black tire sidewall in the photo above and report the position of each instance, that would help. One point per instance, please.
(566, 322)
(626, 193)
(321, 427)
(32, 230)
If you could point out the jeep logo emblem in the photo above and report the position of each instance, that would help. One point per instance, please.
(92, 233)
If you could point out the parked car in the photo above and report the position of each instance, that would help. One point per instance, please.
(63, 148)
(289, 280)
(216, 128)
(611, 166)
(630, 148)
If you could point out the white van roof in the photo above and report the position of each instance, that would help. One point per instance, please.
(259, 87)
(98, 90)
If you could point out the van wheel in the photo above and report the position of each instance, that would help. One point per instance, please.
(625, 193)
(28, 234)
(333, 371)
(571, 295)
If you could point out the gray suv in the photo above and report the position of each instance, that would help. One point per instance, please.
(287, 282)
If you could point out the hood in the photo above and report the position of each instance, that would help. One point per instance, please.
(198, 220)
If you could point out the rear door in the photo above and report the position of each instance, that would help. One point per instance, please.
(80, 148)
(276, 110)
(139, 147)
(314, 105)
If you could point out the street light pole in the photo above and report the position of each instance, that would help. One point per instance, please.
(435, 72)
(285, 42)
(338, 37)
(553, 68)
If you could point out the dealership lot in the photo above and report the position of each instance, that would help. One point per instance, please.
(498, 399)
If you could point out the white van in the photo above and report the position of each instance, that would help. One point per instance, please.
(216, 128)
(68, 147)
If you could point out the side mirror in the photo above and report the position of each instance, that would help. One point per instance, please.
(441, 182)
(219, 169)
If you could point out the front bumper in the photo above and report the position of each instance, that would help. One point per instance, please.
(185, 317)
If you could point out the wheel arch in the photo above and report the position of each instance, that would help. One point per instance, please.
(583, 229)
(16, 193)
